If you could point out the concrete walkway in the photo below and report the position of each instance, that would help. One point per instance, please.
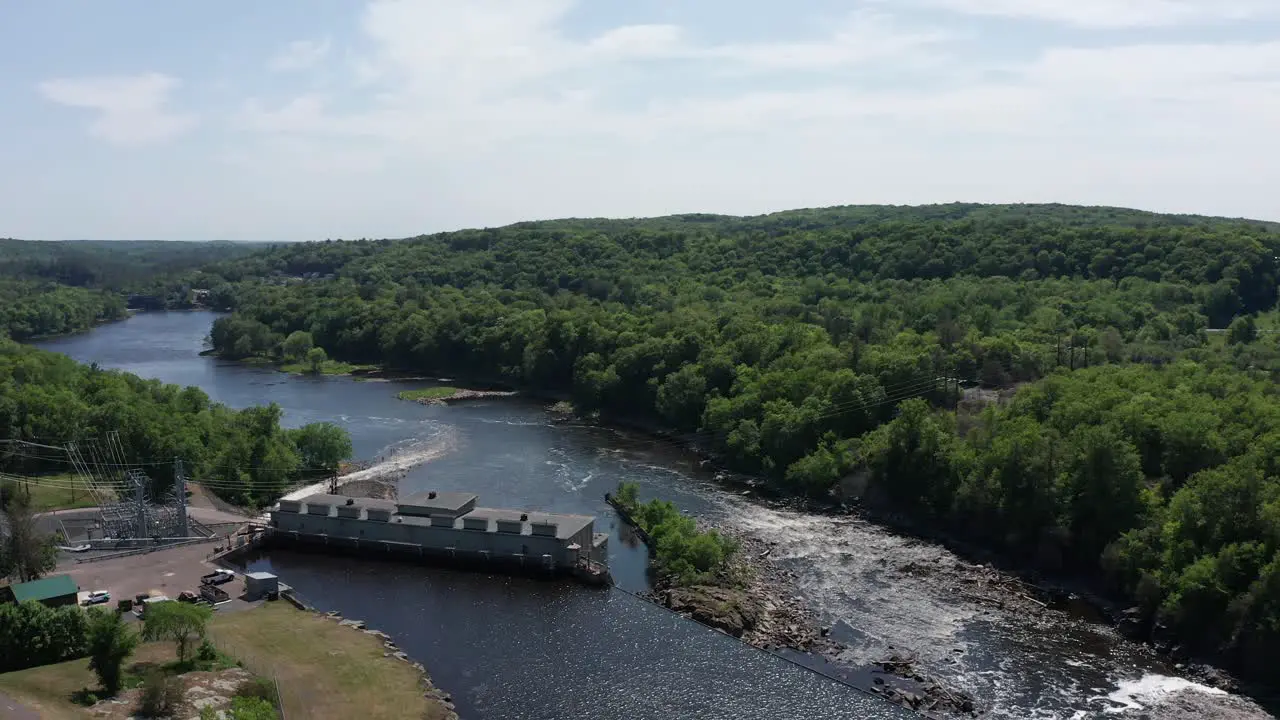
(11, 709)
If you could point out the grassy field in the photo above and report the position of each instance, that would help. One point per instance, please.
(431, 393)
(57, 492)
(326, 671)
(49, 689)
(330, 367)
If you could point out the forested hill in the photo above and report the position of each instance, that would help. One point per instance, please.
(55, 288)
(821, 218)
(111, 264)
(613, 259)
(822, 349)
(242, 455)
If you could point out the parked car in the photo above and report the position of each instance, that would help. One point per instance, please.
(214, 594)
(97, 597)
(217, 577)
(140, 609)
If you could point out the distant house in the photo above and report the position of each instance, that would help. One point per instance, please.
(52, 591)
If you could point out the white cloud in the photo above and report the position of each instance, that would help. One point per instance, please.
(1109, 14)
(455, 75)
(299, 55)
(505, 114)
(638, 41)
(862, 37)
(131, 109)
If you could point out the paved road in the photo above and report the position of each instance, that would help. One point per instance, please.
(11, 709)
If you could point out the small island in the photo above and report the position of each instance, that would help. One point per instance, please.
(443, 395)
(715, 579)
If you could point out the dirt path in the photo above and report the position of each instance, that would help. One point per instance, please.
(202, 499)
(11, 709)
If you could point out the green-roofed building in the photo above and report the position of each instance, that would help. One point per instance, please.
(53, 591)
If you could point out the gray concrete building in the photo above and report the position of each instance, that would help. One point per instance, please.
(445, 525)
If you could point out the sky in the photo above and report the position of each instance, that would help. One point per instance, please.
(313, 119)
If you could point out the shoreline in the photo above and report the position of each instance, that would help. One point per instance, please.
(1006, 582)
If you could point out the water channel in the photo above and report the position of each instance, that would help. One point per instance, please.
(509, 648)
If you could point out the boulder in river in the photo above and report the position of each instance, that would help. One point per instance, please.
(727, 609)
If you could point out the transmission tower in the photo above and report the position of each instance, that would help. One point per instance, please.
(124, 494)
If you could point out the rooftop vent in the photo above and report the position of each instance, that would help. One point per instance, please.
(431, 495)
(524, 516)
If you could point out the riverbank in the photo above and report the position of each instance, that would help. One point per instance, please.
(330, 670)
(323, 670)
(998, 586)
(861, 610)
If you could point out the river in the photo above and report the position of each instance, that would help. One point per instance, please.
(510, 648)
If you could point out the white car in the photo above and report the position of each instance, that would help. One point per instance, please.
(97, 597)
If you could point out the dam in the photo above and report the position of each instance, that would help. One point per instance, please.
(446, 527)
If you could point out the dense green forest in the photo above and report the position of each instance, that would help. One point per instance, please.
(242, 455)
(30, 309)
(113, 264)
(55, 288)
(827, 350)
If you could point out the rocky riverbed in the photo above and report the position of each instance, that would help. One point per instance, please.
(1198, 705)
(760, 604)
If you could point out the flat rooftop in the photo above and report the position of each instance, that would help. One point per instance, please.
(443, 502)
(567, 525)
(340, 500)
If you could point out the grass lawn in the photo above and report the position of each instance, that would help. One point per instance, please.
(330, 367)
(49, 689)
(326, 671)
(431, 393)
(57, 492)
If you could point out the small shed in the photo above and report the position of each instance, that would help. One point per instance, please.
(260, 584)
(53, 591)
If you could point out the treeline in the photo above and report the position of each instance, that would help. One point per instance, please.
(53, 288)
(244, 456)
(1166, 481)
(1231, 264)
(32, 635)
(36, 309)
(111, 264)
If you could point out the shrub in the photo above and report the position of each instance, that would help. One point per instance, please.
(252, 708)
(161, 695)
(258, 688)
(206, 654)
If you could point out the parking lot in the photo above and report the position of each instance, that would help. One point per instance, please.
(163, 572)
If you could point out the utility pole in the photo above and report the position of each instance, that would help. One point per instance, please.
(140, 500)
(180, 497)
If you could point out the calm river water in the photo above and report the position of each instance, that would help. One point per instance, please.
(508, 648)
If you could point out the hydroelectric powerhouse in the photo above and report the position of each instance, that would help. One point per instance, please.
(446, 527)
